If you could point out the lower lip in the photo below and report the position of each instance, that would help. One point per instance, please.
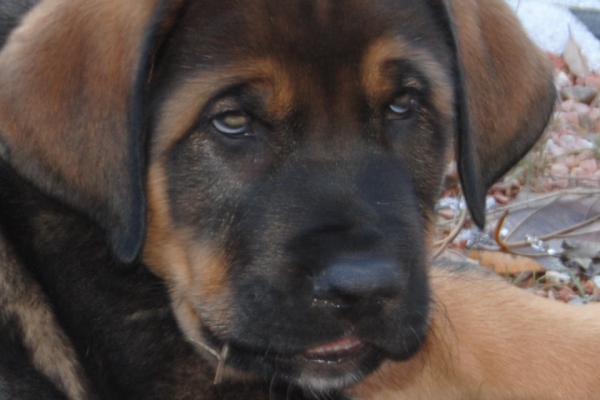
(333, 352)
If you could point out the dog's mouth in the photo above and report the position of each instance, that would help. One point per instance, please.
(334, 352)
(323, 367)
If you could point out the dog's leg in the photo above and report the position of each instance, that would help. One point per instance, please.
(491, 340)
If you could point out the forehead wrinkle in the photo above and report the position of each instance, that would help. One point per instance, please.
(379, 86)
(181, 109)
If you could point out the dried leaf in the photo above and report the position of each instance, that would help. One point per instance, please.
(581, 249)
(581, 256)
(503, 263)
(576, 61)
(547, 220)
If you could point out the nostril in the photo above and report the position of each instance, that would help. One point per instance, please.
(358, 283)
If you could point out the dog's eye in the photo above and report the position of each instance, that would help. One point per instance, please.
(232, 123)
(402, 107)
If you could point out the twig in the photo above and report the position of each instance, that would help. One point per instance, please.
(498, 230)
(452, 235)
(554, 235)
(525, 203)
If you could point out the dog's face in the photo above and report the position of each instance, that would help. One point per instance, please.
(294, 169)
(290, 161)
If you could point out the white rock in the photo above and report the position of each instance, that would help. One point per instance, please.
(557, 278)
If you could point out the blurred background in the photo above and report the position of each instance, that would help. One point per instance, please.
(548, 23)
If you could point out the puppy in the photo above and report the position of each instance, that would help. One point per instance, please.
(243, 192)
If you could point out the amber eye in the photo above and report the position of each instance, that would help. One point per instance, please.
(232, 123)
(402, 107)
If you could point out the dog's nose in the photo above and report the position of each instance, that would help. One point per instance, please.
(359, 285)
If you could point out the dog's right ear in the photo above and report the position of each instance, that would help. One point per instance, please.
(73, 78)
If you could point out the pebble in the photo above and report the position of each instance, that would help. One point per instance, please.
(580, 94)
(567, 105)
(590, 165)
(557, 278)
(579, 172)
(562, 80)
(592, 81)
(559, 170)
(572, 117)
(581, 109)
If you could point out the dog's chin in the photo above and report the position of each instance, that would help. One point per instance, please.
(330, 366)
(321, 368)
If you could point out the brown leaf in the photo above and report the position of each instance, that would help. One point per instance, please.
(551, 218)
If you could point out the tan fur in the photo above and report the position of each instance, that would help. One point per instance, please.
(491, 340)
(196, 275)
(50, 350)
(378, 86)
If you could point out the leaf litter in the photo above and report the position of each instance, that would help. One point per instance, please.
(543, 218)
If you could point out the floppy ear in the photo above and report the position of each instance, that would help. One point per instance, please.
(504, 93)
(72, 87)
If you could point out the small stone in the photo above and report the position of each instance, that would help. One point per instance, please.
(594, 114)
(573, 117)
(567, 105)
(579, 172)
(589, 165)
(581, 108)
(570, 161)
(559, 170)
(581, 94)
(554, 149)
(596, 126)
(567, 141)
(565, 294)
(590, 288)
(592, 80)
(581, 143)
(557, 278)
(562, 80)
(558, 62)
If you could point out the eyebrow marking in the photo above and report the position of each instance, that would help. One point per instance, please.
(180, 111)
(379, 86)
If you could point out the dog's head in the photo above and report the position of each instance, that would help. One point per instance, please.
(289, 155)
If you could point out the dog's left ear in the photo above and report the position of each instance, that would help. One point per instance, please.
(73, 78)
(504, 92)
